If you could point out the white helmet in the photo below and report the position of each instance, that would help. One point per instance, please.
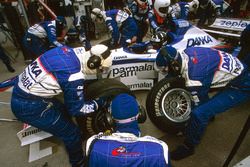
(193, 5)
(161, 7)
(100, 56)
(96, 13)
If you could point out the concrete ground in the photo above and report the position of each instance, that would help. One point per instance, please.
(212, 152)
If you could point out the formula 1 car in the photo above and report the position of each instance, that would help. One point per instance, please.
(137, 72)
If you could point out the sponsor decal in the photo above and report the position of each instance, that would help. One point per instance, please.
(120, 57)
(27, 83)
(35, 69)
(234, 23)
(141, 85)
(122, 151)
(31, 132)
(157, 101)
(201, 40)
(226, 62)
(183, 23)
(130, 70)
(27, 78)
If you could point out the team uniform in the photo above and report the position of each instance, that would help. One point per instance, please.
(209, 8)
(126, 149)
(179, 10)
(122, 26)
(202, 69)
(205, 68)
(140, 14)
(156, 22)
(81, 24)
(56, 71)
(41, 37)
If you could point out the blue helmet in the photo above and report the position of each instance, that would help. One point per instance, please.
(166, 55)
(125, 112)
(124, 107)
(169, 57)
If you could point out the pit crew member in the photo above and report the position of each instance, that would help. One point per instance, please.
(81, 25)
(181, 10)
(45, 35)
(209, 10)
(59, 70)
(158, 15)
(121, 25)
(139, 10)
(125, 147)
(202, 69)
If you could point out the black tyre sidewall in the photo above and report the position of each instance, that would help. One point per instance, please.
(105, 87)
(154, 109)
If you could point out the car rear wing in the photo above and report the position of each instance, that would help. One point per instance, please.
(227, 27)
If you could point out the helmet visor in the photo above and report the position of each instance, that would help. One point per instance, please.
(163, 10)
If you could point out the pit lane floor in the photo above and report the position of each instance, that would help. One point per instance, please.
(216, 145)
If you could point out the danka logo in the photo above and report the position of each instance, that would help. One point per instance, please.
(235, 24)
(35, 69)
(226, 62)
(202, 40)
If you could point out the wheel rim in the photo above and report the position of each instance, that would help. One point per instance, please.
(176, 105)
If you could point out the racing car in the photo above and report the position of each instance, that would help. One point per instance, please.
(137, 72)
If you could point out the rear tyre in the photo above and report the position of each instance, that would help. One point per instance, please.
(100, 121)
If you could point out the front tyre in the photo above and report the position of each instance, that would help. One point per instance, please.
(169, 105)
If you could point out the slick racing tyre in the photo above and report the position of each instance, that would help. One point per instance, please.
(101, 120)
(169, 105)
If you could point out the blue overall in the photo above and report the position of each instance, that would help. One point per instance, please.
(121, 26)
(204, 65)
(57, 70)
(41, 37)
(127, 150)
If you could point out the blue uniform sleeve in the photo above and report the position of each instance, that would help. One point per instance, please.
(74, 98)
(112, 25)
(152, 21)
(51, 33)
(184, 10)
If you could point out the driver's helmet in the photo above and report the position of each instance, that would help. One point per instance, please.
(99, 57)
(158, 39)
(193, 5)
(161, 7)
(96, 14)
